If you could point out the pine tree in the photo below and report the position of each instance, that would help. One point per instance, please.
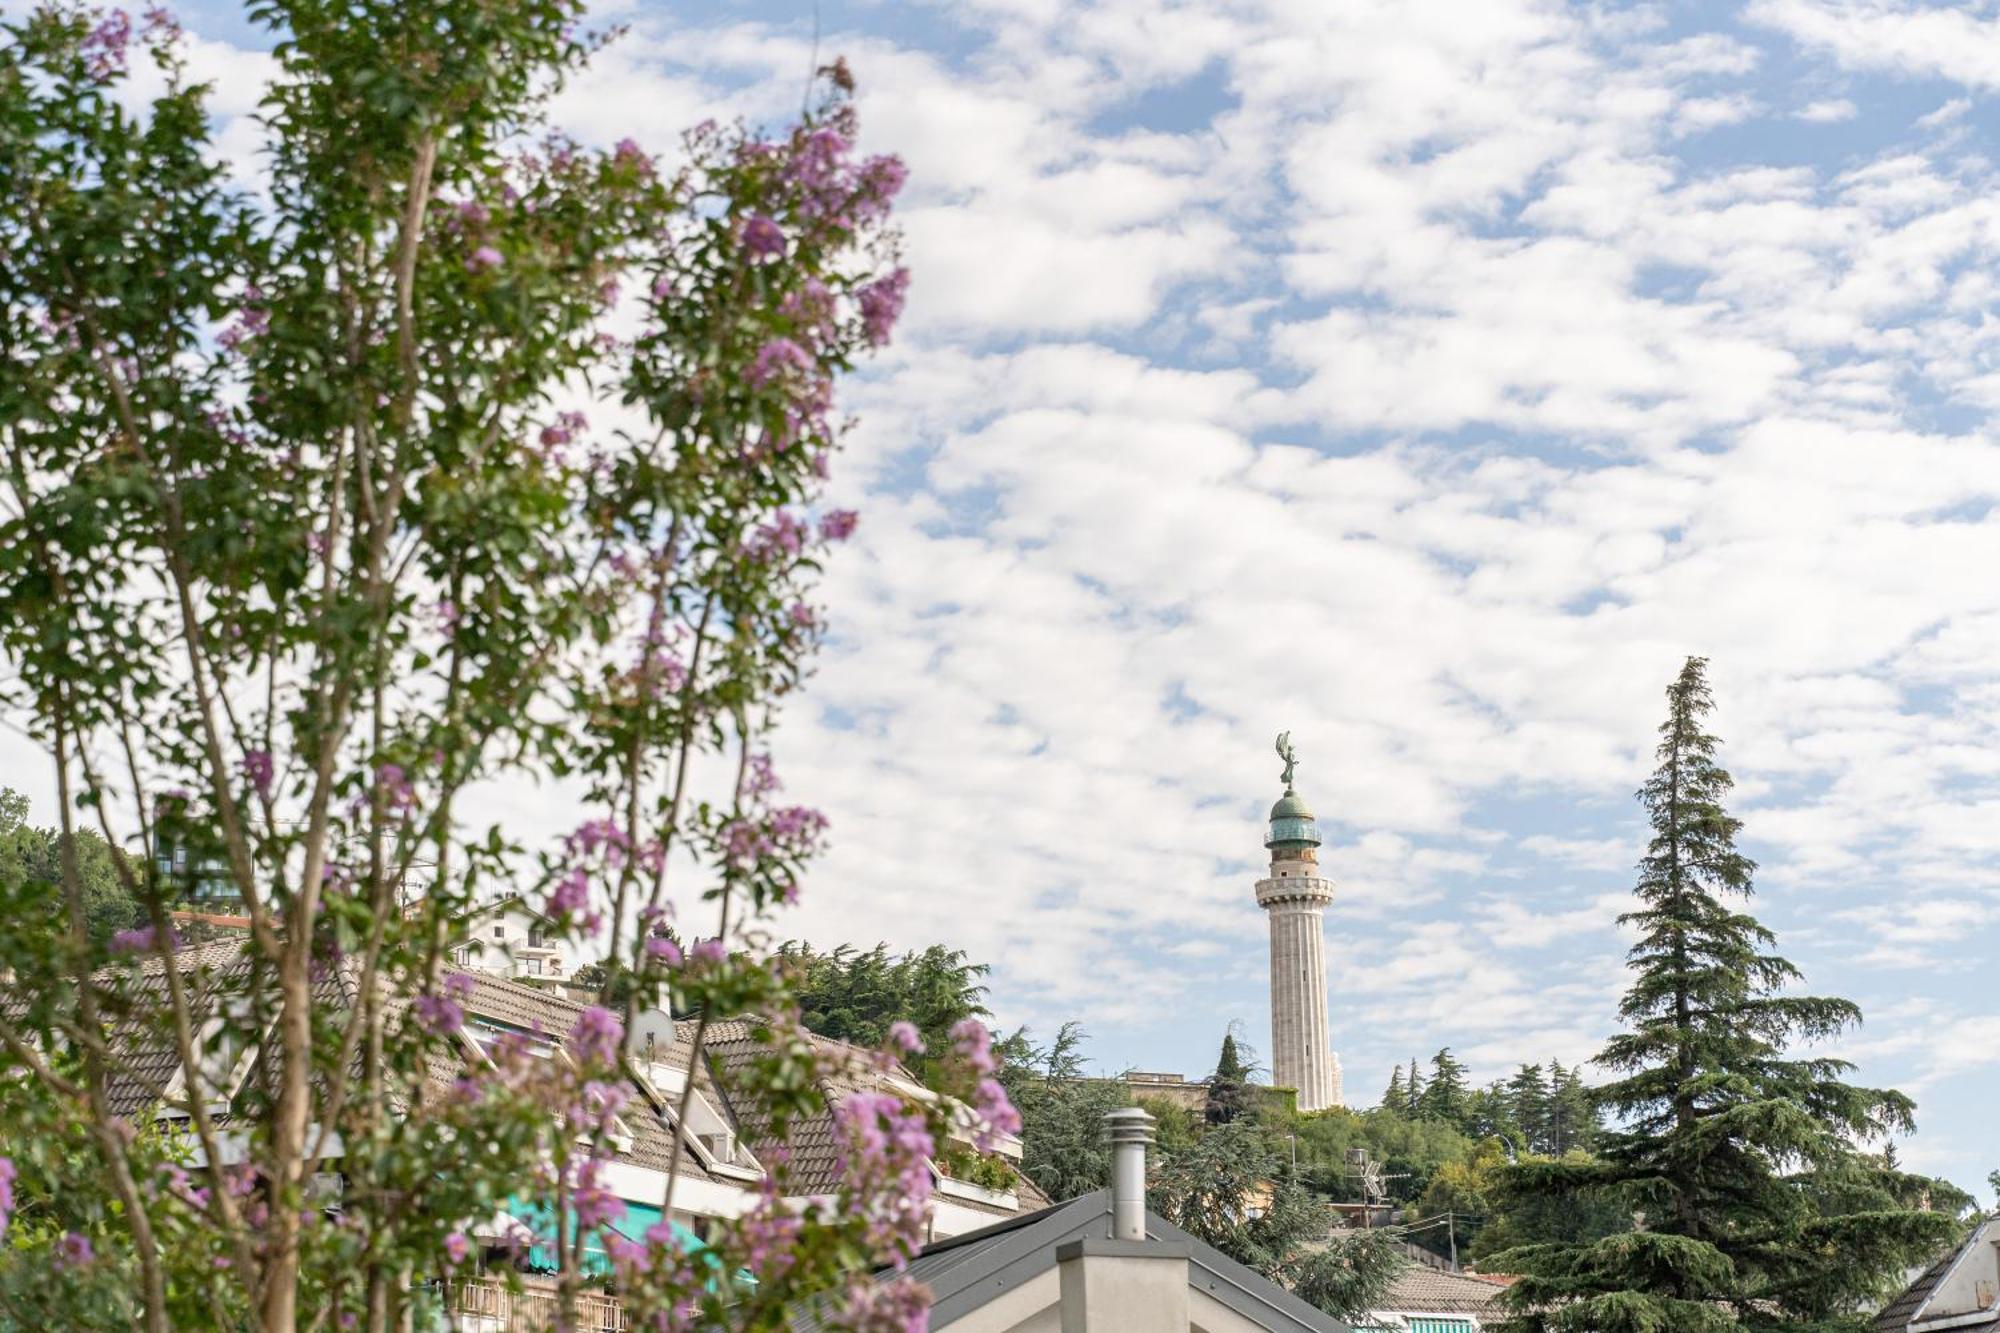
(1574, 1115)
(1528, 1096)
(1395, 1100)
(1227, 1097)
(1760, 1207)
(1489, 1113)
(1413, 1091)
(1445, 1099)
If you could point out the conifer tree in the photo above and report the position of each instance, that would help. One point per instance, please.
(1528, 1094)
(1574, 1114)
(1227, 1097)
(1760, 1207)
(1396, 1099)
(1445, 1099)
(1413, 1091)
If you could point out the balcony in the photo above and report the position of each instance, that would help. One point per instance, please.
(485, 1305)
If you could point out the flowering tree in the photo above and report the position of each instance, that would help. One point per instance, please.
(455, 452)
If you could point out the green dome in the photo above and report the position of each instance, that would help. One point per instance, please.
(1291, 806)
(1292, 823)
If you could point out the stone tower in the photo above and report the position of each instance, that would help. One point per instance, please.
(1294, 896)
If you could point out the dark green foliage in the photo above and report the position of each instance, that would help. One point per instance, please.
(1227, 1093)
(1210, 1190)
(1533, 1108)
(1574, 1116)
(1062, 1112)
(1744, 1164)
(1396, 1098)
(1444, 1098)
(852, 995)
(31, 873)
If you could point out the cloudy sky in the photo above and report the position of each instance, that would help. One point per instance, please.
(1427, 380)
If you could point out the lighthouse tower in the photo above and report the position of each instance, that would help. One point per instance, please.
(1294, 896)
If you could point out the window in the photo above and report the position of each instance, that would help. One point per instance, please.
(499, 932)
(534, 967)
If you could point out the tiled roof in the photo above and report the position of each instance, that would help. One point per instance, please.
(968, 1272)
(137, 1019)
(812, 1143)
(1896, 1316)
(1423, 1290)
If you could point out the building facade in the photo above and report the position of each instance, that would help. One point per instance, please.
(1294, 896)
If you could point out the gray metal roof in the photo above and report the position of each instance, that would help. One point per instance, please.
(966, 1272)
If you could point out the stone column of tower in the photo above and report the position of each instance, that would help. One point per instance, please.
(1295, 896)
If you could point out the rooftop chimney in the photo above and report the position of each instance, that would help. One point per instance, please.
(1129, 1130)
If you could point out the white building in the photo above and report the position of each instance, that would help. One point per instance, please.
(1960, 1293)
(508, 938)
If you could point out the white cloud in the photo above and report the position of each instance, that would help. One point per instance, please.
(1913, 39)
(1826, 111)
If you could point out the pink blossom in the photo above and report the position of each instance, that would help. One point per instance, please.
(775, 357)
(997, 1116)
(257, 768)
(901, 1305)
(161, 23)
(797, 828)
(141, 939)
(903, 1035)
(837, 525)
(885, 1171)
(7, 1174)
(483, 258)
(801, 616)
(570, 895)
(596, 833)
(456, 1247)
(762, 237)
(438, 1015)
(628, 153)
(74, 1250)
(565, 428)
(782, 536)
(395, 786)
(974, 1044)
(103, 49)
(596, 1036)
(252, 320)
(879, 182)
(664, 949)
(595, 1205)
(759, 777)
(473, 213)
(881, 303)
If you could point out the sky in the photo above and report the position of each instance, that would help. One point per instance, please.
(1428, 381)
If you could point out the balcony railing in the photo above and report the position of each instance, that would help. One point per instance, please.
(485, 1305)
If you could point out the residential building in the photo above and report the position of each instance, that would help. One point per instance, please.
(1430, 1300)
(1960, 1293)
(511, 939)
(1099, 1263)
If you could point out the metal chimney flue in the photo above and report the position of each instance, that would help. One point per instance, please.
(1130, 1130)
